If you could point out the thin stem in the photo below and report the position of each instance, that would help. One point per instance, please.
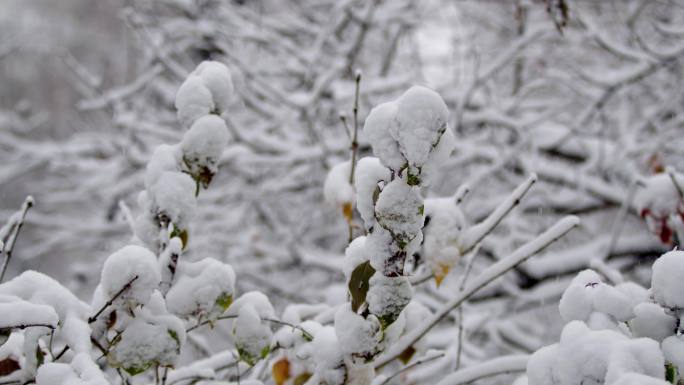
(304, 332)
(469, 268)
(111, 301)
(411, 366)
(61, 353)
(7, 244)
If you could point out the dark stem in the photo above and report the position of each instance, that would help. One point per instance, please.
(111, 301)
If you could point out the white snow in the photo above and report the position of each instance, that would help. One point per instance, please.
(388, 296)
(369, 172)
(199, 286)
(144, 344)
(354, 255)
(252, 337)
(357, 336)
(667, 280)
(652, 321)
(164, 158)
(399, 210)
(405, 131)
(123, 266)
(441, 233)
(673, 350)
(173, 195)
(203, 144)
(216, 77)
(193, 100)
(337, 191)
(377, 130)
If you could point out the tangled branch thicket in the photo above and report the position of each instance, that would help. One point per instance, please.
(355, 192)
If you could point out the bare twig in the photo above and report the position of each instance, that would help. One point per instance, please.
(10, 231)
(411, 366)
(111, 301)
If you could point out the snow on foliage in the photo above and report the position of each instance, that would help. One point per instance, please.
(616, 334)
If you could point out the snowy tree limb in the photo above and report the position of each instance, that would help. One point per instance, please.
(496, 270)
(475, 234)
(496, 366)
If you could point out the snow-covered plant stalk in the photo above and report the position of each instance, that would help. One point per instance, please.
(405, 135)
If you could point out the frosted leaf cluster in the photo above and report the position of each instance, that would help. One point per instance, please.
(175, 173)
(403, 133)
(622, 334)
(208, 89)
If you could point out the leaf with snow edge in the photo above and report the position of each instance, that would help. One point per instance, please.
(199, 286)
(398, 211)
(357, 336)
(202, 146)
(387, 297)
(358, 284)
(144, 345)
(252, 337)
(182, 234)
(224, 301)
(173, 198)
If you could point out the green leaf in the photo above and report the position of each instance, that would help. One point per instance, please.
(135, 370)
(265, 351)
(180, 233)
(421, 210)
(174, 335)
(4, 335)
(412, 180)
(40, 356)
(224, 301)
(358, 284)
(671, 373)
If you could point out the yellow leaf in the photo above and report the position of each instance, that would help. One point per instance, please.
(440, 271)
(302, 379)
(281, 371)
(348, 211)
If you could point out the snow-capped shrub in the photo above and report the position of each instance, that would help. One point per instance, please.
(617, 334)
